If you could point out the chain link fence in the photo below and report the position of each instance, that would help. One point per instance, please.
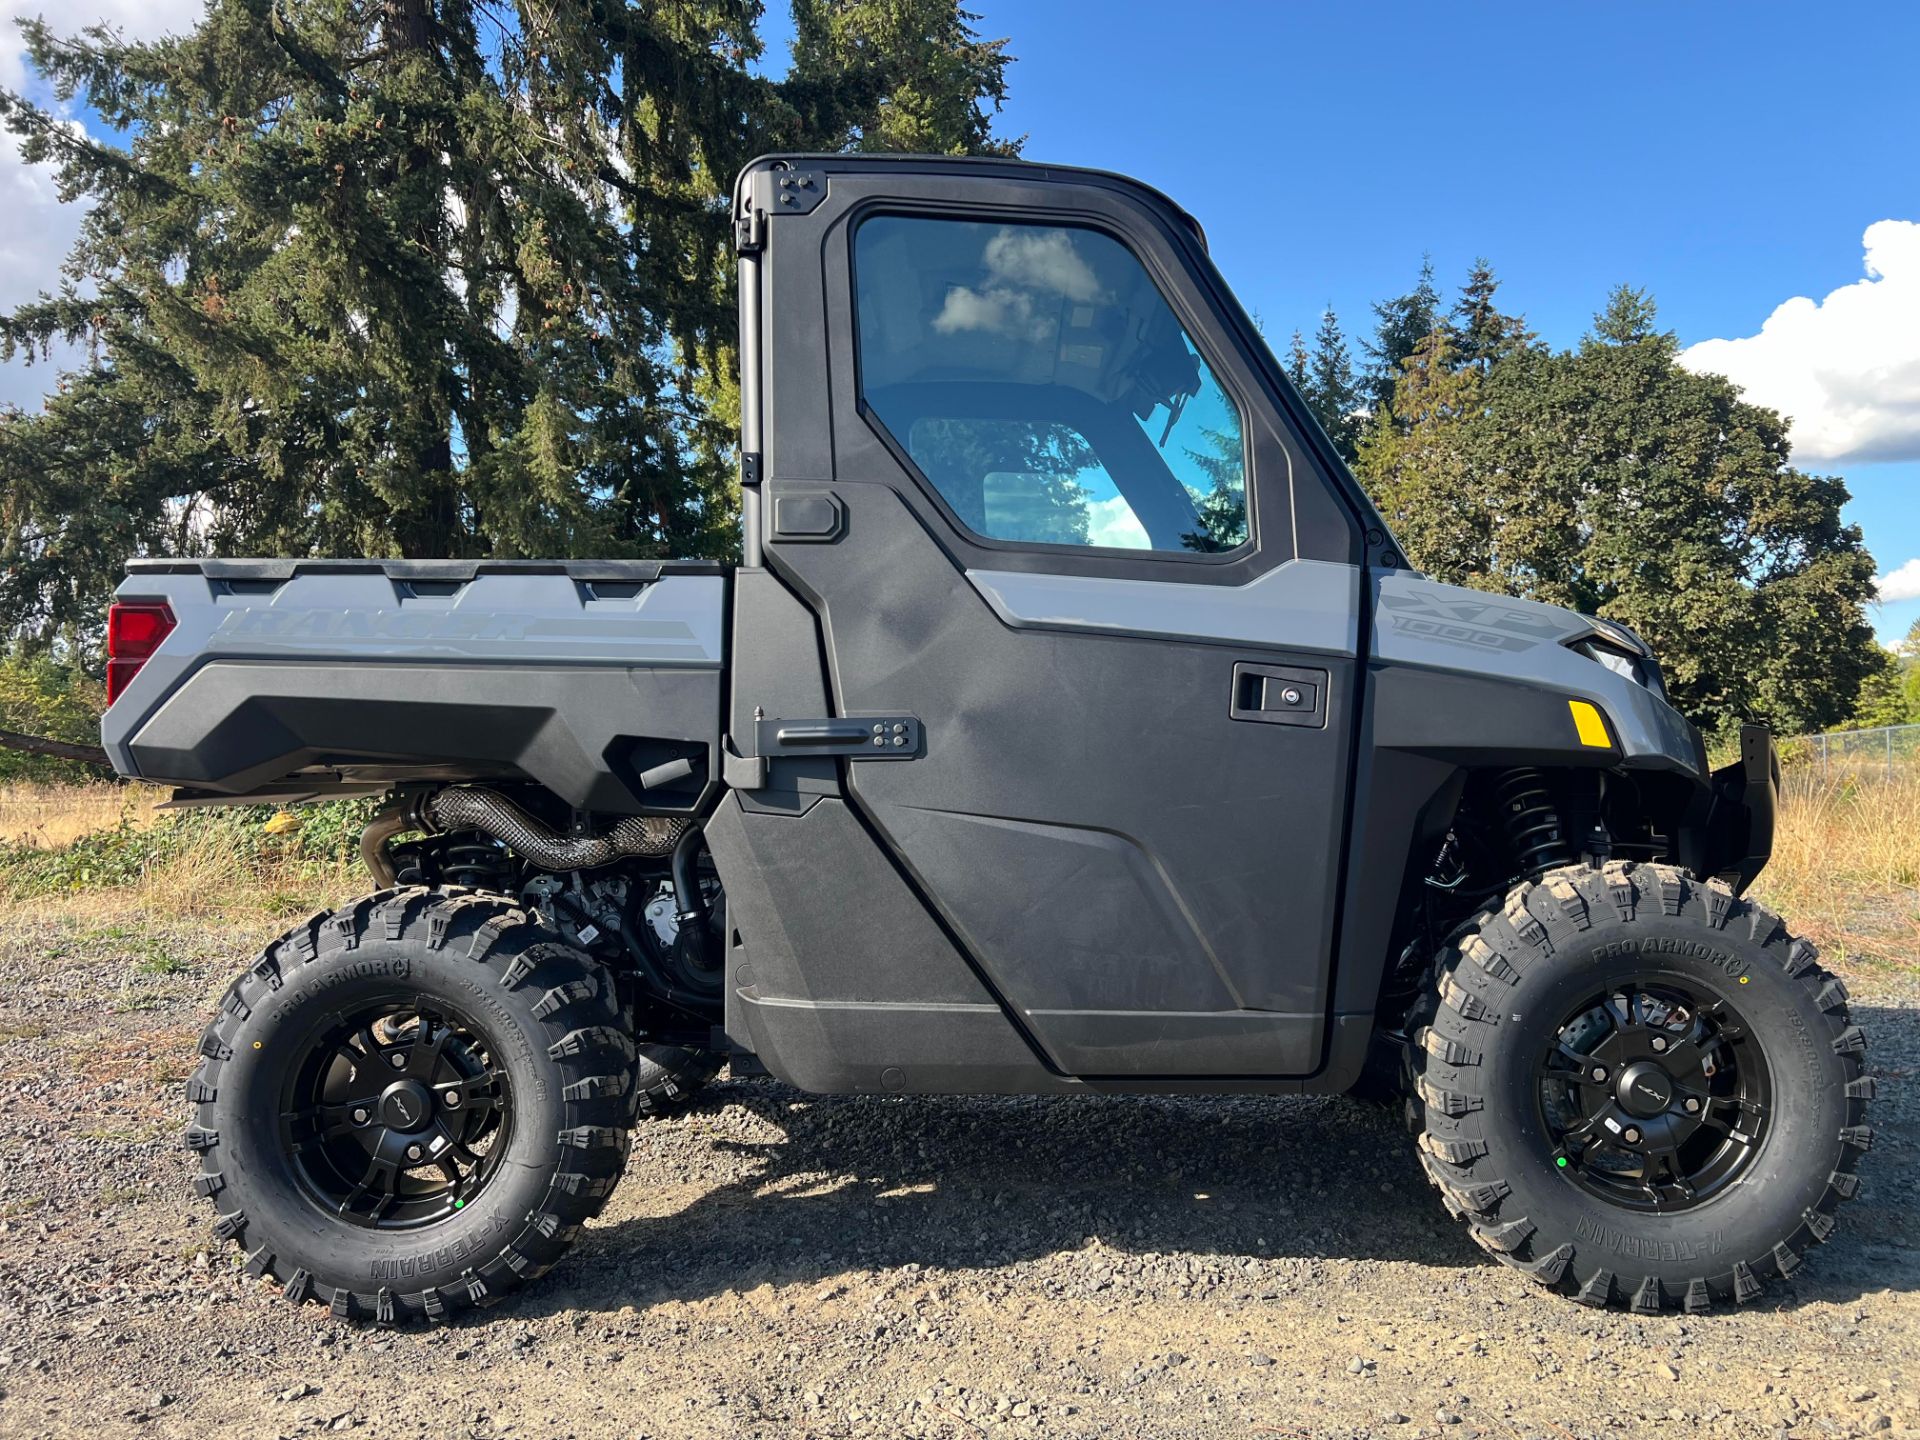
(1879, 754)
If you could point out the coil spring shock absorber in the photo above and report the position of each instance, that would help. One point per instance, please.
(480, 864)
(1530, 821)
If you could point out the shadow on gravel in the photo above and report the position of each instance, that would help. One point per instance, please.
(1230, 1196)
(976, 1183)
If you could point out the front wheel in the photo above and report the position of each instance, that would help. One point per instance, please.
(1638, 1088)
(410, 1105)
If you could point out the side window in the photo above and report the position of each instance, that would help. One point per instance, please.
(1041, 383)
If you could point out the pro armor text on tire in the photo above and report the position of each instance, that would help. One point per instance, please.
(410, 1105)
(1639, 1089)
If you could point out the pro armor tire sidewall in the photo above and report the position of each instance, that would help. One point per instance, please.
(548, 1016)
(1509, 984)
(259, 1173)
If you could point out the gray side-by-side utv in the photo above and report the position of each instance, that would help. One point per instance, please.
(1071, 723)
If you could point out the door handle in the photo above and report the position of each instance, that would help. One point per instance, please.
(1279, 695)
(818, 734)
(873, 737)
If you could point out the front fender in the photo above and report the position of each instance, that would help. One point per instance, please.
(1485, 680)
(1730, 833)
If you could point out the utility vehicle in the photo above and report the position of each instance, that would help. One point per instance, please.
(1071, 723)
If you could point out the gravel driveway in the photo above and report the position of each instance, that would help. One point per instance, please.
(780, 1265)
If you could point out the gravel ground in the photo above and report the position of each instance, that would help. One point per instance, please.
(780, 1265)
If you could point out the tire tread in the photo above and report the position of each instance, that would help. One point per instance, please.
(588, 1041)
(1494, 948)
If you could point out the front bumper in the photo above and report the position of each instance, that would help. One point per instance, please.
(1733, 836)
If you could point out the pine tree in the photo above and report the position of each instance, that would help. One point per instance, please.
(1223, 508)
(1330, 389)
(1296, 364)
(1628, 318)
(901, 75)
(1400, 324)
(1479, 332)
(410, 277)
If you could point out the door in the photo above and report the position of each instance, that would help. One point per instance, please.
(1044, 499)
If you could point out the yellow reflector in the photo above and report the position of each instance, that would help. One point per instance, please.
(1592, 728)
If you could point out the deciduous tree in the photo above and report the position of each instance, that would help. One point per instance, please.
(1609, 479)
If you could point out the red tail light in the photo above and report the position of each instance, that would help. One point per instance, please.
(135, 629)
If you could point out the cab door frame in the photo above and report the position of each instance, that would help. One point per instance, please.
(1288, 601)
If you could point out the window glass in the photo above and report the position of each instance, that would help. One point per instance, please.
(1044, 387)
(1025, 480)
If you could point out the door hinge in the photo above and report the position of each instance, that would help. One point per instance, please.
(750, 230)
(786, 192)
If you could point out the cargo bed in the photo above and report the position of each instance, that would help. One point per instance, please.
(289, 679)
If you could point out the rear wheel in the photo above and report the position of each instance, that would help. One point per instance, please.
(1638, 1088)
(668, 1079)
(410, 1105)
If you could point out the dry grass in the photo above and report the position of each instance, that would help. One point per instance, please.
(45, 816)
(1846, 865)
(1845, 871)
(111, 854)
(220, 887)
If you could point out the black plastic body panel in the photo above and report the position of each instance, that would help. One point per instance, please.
(1148, 887)
(235, 726)
(1731, 832)
(842, 982)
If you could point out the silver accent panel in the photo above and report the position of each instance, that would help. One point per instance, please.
(1305, 605)
(1423, 624)
(498, 619)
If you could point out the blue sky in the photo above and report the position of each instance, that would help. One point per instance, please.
(1726, 157)
(1729, 158)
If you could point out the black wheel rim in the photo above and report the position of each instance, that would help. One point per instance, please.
(396, 1115)
(1654, 1094)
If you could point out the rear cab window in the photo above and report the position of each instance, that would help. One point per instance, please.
(1044, 388)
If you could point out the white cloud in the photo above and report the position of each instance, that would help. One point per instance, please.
(1043, 260)
(35, 235)
(1021, 264)
(999, 312)
(1846, 370)
(135, 19)
(36, 230)
(1900, 584)
(1111, 522)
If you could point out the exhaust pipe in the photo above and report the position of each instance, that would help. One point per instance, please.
(387, 823)
(494, 814)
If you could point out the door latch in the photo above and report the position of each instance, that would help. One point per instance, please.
(860, 737)
(1279, 695)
